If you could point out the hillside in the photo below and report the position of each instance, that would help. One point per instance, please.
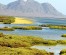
(29, 8)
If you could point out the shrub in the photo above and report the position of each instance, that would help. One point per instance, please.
(21, 51)
(51, 26)
(28, 28)
(7, 29)
(62, 42)
(1, 35)
(7, 19)
(63, 52)
(64, 35)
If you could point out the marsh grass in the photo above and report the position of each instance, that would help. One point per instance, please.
(27, 27)
(64, 35)
(21, 51)
(7, 29)
(51, 26)
(63, 52)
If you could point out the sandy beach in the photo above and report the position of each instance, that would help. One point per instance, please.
(22, 21)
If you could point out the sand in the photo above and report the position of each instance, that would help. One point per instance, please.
(22, 21)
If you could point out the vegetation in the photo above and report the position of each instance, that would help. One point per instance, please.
(28, 27)
(7, 19)
(64, 35)
(1, 35)
(7, 29)
(63, 52)
(49, 42)
(63, 27)
(45, 25)
(22, 28)
(62, 42)
(21, 51)
(23, 41)
(20, 45)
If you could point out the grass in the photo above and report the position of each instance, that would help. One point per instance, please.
(23, 41)
(62, 27)
(21, 51)
(22, 21)
(64, 35)
(7, 19)
(20, 45)
(63, 52)
(63, 42)
(21, 27)
(7, 29)
(28, 27)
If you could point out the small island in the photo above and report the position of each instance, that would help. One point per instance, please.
(51, 26)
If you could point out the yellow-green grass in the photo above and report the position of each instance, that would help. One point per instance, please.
(20, 45)
(21, 51)
(63, 27)
(21, 27)
(27, 27)
(23, 41)
(22, 21)
(63, 52)
(64, 35)
(7, 19)
(7, 29)
(63, 42)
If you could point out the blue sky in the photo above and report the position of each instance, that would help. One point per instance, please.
(60, 5)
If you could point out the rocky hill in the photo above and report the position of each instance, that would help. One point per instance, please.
(29, 8)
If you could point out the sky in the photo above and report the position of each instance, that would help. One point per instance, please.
(60, 5)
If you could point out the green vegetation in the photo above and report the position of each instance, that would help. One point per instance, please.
(7, 19)
(63, 27)
(7, 29)
(20, 45)
(63, 52)
(22, 28)
(49, 42)
(45, 25)
(1, 35)
(21, 51)
(61, 42)
(64, 35)
(23, 41)
(28, 27)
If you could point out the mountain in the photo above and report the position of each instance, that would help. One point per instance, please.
(49, 9)
(29, 8)
(2, 6)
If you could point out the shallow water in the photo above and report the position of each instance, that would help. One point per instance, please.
(45, 33)
(55, 49)
(54, 34)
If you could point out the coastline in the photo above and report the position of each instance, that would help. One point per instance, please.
(22, 21)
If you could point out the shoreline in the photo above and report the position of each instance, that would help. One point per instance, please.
(22, 21)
